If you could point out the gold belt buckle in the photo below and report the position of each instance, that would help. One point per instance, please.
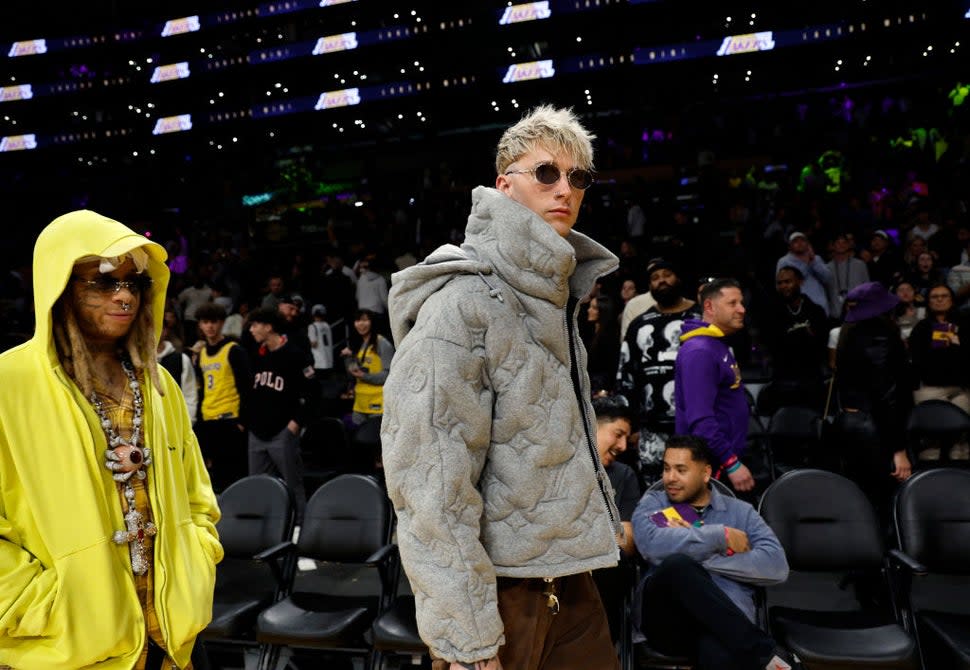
(552, 602)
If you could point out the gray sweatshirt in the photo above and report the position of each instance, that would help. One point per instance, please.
(765, 564)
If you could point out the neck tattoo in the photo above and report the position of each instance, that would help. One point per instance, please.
(126, 459)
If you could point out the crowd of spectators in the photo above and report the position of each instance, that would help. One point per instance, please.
(801, 226)
(798, 238)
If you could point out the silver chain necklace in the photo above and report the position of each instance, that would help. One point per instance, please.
(126, 459)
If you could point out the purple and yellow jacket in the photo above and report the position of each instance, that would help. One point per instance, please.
(708, 393)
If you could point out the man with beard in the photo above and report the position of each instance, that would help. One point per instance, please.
(705, 552)
(647, 358)
(818, 277)
(290, 307)
(709, 396)
(795, 334)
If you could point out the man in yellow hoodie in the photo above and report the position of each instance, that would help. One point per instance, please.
(108, 544)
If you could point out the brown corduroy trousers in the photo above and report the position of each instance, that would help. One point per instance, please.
(577, 638)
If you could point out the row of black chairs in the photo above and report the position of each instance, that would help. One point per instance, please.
(854, 599)
(346, 605)
(849, 603)
(794, 435)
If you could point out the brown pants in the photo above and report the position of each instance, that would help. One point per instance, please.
(577, 638)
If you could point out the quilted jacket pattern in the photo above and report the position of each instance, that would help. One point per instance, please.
(488, 444)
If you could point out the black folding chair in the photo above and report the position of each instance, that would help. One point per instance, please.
(792, 439)
(833, 541)
(346, 531)
(257, 522)
(931, 517)
(937, 424)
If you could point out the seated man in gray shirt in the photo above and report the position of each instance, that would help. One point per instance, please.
(705, 552)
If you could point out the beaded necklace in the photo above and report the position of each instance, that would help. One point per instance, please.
(126, 459)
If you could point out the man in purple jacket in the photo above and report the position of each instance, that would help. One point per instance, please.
(708, 393)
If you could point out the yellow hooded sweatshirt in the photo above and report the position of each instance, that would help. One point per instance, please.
(67, 597)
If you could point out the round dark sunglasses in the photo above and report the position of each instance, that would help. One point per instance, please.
(549, 173)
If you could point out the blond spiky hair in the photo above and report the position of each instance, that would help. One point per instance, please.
(72, 349)
(557, 130)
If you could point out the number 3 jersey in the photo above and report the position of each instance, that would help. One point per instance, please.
(224, 371)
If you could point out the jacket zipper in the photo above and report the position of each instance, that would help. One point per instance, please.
(576, 378)
(157, 567)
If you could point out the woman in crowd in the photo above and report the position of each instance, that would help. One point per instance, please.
(914, 247)
(924, 274)
(603, 343)
(628, 290)
(941, 362)
(368, 365)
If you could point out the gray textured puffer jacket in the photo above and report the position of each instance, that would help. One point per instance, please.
(488, 444)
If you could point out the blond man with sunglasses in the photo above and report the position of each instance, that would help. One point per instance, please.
(489, 437)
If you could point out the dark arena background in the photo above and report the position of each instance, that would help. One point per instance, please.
(283, 120)
(295, 153)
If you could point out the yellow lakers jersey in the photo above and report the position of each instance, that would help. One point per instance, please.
(369, 398)
(221, 397)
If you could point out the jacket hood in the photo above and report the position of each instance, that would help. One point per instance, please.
(412, 286)
(509, 239)
(74, 236)
(697, 328)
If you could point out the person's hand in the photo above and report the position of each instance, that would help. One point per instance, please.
(242, 428)
(346, 352)
(865, 255)
(737, 540)
(357, 372)
(810, 254)
(293, 427)
(741, 479)
(492, 664)
(902, 468)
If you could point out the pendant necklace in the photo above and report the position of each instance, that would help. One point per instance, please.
(126, 459)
